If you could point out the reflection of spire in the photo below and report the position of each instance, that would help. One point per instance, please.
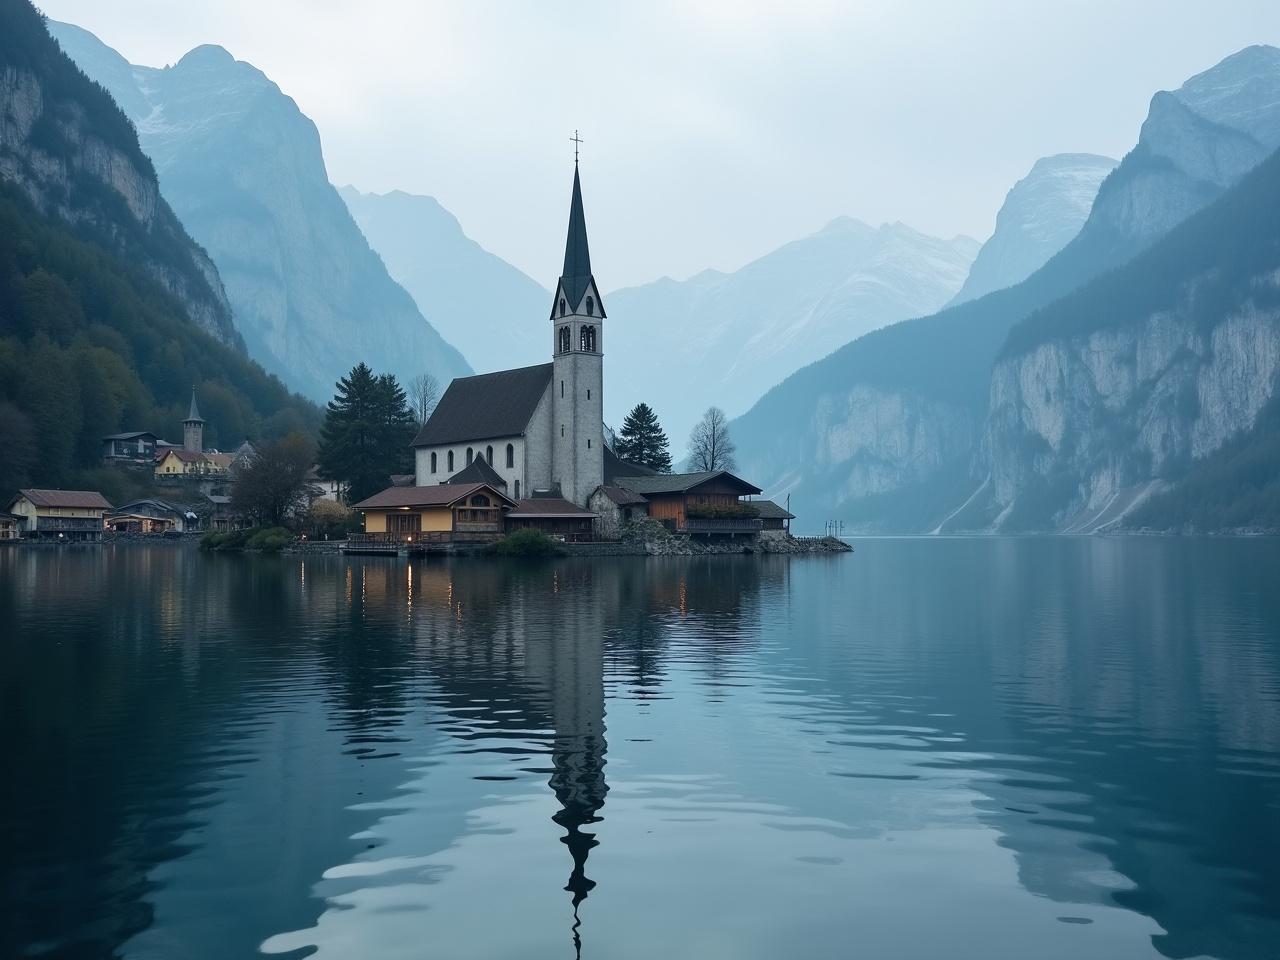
(578, 783)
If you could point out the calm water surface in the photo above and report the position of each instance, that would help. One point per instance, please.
(929, 749)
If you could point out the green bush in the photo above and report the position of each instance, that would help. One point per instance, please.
(265, 539)
(527, 543)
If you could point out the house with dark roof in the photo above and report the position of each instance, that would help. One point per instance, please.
(445, 512)
(151, 515)
(136, 446)
(709, 502)
(554, 516)
(10, 528)
(67, 515)
(539, 427)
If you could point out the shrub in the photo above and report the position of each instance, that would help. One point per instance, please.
(527, 543)
(266, 539)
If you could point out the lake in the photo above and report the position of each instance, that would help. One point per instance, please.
(956, 748)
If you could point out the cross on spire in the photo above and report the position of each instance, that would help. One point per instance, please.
(575, 140)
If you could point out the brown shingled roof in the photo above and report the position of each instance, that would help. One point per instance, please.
(88, 499)
(621, 496)
(549, 507)
(439, 495)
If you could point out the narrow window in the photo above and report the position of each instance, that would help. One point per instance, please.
(433, 461)
(470, 456)
(511, 456)
(562, 306)
(561, 389)
(562, 429)
(591, 307)
(451, 461)
(564, 339)
(588, 443)
(488, 455)
(588, 393)
(517, 489)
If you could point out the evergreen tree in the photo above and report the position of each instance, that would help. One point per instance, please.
(367, 433)
(643, 441)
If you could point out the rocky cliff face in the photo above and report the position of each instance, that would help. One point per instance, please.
(723, 339)
(1195, 142)
(244, 170)
(89, 171)
(1082, 429)
(1040, 216)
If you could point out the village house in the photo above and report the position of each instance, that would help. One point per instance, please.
(442, 512)
(706, 503)
(10, 528)
(138, 446)
(67, 515)
(151, 516)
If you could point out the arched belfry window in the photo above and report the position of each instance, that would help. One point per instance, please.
(591, 307)
(562, 306)
(488, 455)
(564, 339)
(433, 461)
(470, 456)
(587, 339)
(511, 455)
(450, 459)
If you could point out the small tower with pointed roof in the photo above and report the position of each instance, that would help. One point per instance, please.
(577, 386)
(193, 428)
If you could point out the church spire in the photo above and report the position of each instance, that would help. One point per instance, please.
(194, 413)
(576, 278)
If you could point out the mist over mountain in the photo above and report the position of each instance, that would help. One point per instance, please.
(109, 312)
(887, 431)
(454, 280)
(243, 169)
(725, 338)
(1041, 214)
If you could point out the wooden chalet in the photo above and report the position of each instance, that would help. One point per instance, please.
(707, 503)
(445, 512)
(554, 516)
(63, 515)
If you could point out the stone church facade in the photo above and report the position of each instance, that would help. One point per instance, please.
(539, 428)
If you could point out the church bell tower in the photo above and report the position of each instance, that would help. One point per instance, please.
(577, 386)
(193, 428)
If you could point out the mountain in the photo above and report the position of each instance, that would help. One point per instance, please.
(723, 339)
(886, 432)
(108, 311)
(244, 170)
(1112, 394)
(454, 280)
(1041, 215)
(68, 149)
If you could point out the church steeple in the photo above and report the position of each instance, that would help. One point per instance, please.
(576, 279)
(193, 428)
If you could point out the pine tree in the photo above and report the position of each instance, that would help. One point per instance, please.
(643, 441)
(367, 433)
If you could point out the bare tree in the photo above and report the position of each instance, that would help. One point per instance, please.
(709, 445)
(424, 394)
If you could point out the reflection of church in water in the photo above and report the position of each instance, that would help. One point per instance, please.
(540, 643)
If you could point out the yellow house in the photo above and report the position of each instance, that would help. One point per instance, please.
(186, 463)
(446, 511)
(60, 514)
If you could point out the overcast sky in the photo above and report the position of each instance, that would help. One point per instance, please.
(714, 131)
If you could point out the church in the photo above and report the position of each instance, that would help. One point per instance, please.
(540, 428)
